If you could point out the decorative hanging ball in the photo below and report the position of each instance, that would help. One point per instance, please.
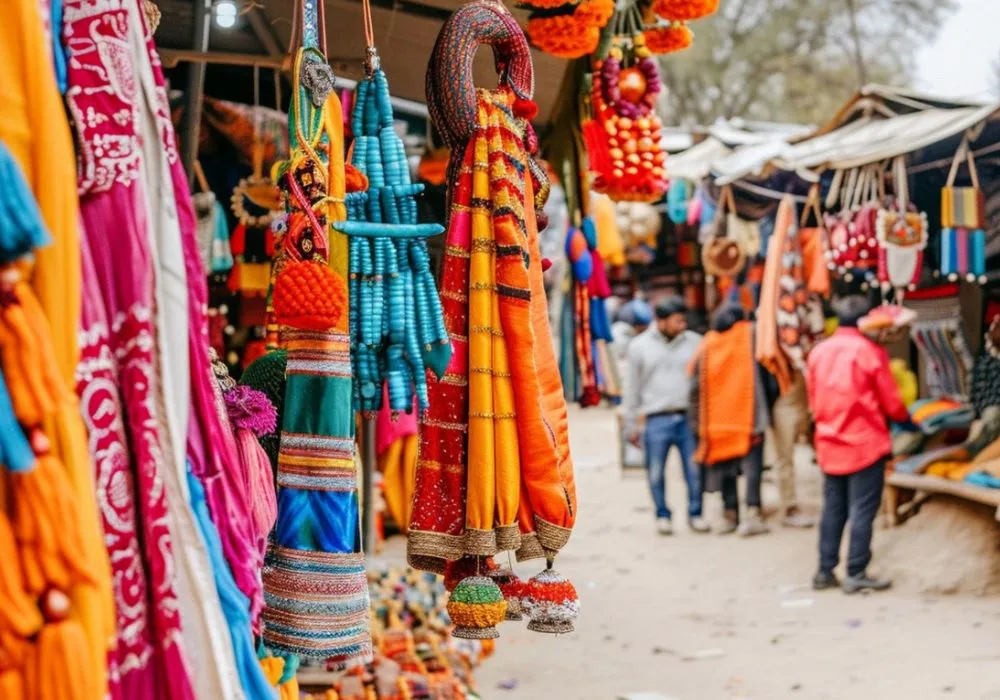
(512, 588)
(476, 607)
(309, 295)
(457, 571)
(550, 602)
(632, 85)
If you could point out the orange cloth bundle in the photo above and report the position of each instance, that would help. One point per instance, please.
(726, 391)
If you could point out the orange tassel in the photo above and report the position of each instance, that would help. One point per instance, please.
(31, 359)
(45, 527)
(58, 668)
(18, 612)
(39, 327)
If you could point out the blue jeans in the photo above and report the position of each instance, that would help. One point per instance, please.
(663, 432)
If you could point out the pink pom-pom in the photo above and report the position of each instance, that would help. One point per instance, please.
(251, 410)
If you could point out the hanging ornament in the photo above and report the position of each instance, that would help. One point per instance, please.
(316, 590)
(397, 327)
(512, 588)
(624, 102)
(550, 602)
(476, 607)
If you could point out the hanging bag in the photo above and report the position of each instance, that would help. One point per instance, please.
(963, 238)
(723, 255)
(902, 236)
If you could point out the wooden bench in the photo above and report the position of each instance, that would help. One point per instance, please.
(924, 487)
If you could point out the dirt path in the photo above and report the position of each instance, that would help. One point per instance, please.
(706, 617)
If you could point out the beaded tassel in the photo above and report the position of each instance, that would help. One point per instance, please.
(397, 326)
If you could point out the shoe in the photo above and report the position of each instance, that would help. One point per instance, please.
(795, 518)
(864, 582)
(730, 522)
(824, 580)
(664, 526)
(699, 525)
(753, 525)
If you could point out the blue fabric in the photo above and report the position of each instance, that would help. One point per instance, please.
(663, 432)
(15, 452)
(235, 605)
(21, 226)
(58, 50)
(984, 479)
(222, 253)
(677, 200)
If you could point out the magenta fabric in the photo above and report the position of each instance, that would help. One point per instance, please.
(387, 430)
(118, 380)
(211, 445)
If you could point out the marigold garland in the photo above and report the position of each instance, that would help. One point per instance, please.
(684, 10)
(571, 32)
(668, 38)
(545, 4)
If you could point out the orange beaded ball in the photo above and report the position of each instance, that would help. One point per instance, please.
(310, 296)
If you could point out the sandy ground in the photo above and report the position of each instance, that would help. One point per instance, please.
(708, 617)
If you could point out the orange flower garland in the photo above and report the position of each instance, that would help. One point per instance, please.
(684, 10)
(544, 4)
(668, 38)
(572, 31)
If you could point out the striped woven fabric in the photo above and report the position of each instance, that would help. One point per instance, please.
(317, 604)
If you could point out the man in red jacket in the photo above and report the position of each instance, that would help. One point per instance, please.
(853, 397)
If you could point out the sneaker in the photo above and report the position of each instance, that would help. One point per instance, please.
(864, 582)
(824, 580)
(730, 522)
(795, 518)
(753, 525)
(664, 526)
(699, 525)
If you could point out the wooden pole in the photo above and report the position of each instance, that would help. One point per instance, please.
(196, 87)
(368, 458)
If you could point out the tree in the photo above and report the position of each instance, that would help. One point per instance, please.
(794, 60)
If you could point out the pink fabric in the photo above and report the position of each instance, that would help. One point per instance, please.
(118, 376)
(211, 445)
(259, 486)
(851, 394)
(387, 430)
(598, 284)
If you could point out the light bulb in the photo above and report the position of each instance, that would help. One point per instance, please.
(225, 13)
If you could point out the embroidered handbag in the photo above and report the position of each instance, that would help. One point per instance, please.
(902, 237)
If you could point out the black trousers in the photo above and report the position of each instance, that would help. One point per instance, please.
(853, 498)
(752, 466)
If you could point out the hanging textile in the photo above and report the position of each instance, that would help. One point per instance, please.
(34, 128)
(939, 334)
(494, 469)
(145, 290)
(314, 578)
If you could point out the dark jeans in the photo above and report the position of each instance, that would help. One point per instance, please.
(663, 432)
(752, 467)
(855, 498)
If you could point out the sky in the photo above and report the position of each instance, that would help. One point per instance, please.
(960, 61)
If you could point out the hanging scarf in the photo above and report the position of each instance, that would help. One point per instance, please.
(494, 470)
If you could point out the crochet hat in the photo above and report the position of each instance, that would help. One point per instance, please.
(267, 374)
